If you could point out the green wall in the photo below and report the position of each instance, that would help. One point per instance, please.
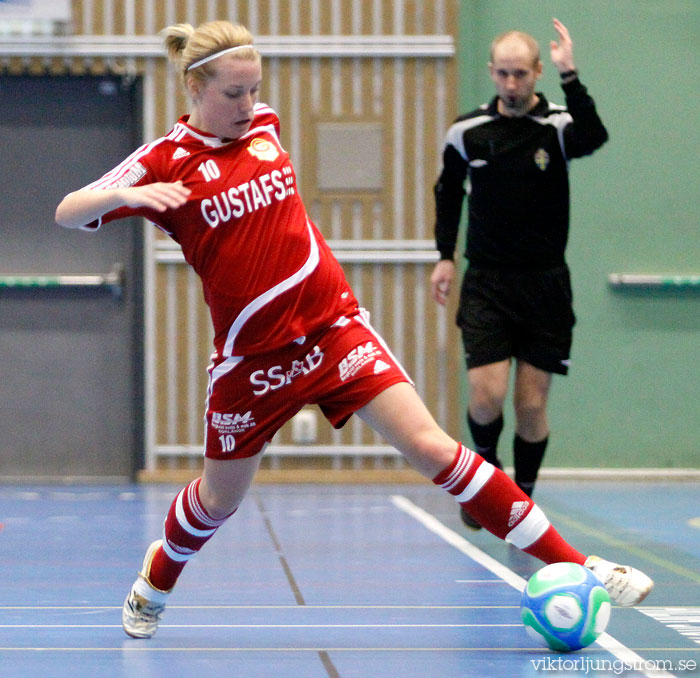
(632, 397)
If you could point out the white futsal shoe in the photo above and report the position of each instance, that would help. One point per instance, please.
(145, 603)
(625, 585)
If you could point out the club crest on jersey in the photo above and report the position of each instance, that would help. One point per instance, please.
(541, 159)
(263, 149)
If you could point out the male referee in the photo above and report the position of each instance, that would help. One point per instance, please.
(516, 300)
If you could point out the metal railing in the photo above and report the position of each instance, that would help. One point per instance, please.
(657, 280)
(112, 281)
(308, 46)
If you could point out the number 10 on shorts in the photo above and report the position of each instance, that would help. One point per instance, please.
(228, 443)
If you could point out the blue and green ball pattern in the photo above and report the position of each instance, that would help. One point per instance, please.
(566, 606)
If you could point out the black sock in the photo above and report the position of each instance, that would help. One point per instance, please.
(485, 437)
(527, 459)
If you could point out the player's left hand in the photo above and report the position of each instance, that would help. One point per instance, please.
(562, 52)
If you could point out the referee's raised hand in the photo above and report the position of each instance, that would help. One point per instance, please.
(562, 52)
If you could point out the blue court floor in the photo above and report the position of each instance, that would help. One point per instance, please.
(314, 581)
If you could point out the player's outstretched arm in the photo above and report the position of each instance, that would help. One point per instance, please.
(84, 206)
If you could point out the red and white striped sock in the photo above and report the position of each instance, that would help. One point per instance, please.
(500, 506)
(187, 528)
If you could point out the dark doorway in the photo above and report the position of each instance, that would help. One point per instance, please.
(71, 392)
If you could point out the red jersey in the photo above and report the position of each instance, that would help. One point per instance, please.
(268, 275)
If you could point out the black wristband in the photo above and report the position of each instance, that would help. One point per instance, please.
(568, 74)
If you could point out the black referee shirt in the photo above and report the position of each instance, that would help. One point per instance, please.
(515, 172)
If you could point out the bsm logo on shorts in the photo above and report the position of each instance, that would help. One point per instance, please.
(225, 422)
(357, 359)
(277, 377)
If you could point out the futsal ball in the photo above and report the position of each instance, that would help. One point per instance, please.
(565, 606)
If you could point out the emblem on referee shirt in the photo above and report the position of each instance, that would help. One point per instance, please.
(263, 149)
(541, 158)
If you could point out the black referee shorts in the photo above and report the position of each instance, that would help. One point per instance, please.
(526, 315)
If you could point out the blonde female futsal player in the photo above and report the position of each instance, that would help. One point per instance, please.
(288, 329)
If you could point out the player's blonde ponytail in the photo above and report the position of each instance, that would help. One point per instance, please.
(175, 39)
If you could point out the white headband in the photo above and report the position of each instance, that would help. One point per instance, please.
(216, 55)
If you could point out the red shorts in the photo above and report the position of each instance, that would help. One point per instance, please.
(340, 369)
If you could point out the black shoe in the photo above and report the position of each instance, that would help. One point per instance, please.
(468, 520)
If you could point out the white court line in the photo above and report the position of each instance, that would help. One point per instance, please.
(684, 620)
(606, 641)
(265, 607)
(258, 626)
(141, 647)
